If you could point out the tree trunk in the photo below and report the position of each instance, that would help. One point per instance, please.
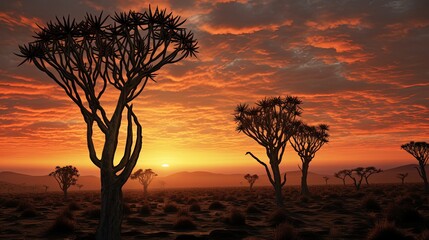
(251, 186)
(424, 177)
(145, 190)
(65, 193)
(277, 184)
(111, 209)
(344, 181)
(366, 180)
(304, 186)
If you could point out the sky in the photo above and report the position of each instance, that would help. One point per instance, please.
(359, 66)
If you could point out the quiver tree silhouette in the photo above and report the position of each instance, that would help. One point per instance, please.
(356, 175)
(251, 179)
(326, 178)
(117, 54)
(271, 123)
(368, 171)
(419, 150)
(306, 142)
(342, 175)
(65, 177)
(402, 176)
(145, 178)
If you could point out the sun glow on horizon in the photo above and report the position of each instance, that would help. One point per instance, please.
(165, 165)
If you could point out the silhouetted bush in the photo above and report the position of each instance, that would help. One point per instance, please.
(74, 206)
(284, 231)
(184, 223)
(371, 205)
(216, 205)
(385, 231)
(195, 207)
(145, 210)
(92, 213)
(170, 208)
(276, 217)
(404, 216)
(252, 209)
(63, 224)
(235, 217)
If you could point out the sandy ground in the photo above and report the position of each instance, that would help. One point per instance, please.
(331, 212)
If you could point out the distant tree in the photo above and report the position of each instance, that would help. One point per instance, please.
(65, 177)
(116, 55)
(326, 179)
(162, 183)
(419, 150)
(46, 187)
(368, 171)
(306, 142)
(251, 179)
(342, 175)
(79, 186)
(145, 178)
(402, 176)
(357, 175)
(271, 123)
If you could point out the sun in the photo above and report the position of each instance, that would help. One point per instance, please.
(165, 165)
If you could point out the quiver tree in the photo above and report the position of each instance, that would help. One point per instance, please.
(368, 171)
(145, 178)
(251, 179)
(342, 175)
(306, 142)
(271, 123)
(326, 178)
(419, 150)
(402, 176)
(117, 54)
(356, 175)
(65, 177)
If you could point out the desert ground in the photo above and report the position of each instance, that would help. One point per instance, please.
(331, 212)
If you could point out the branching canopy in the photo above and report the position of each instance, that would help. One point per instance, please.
(65, 176)
(145, 177)
(309, 139)
(419, 150)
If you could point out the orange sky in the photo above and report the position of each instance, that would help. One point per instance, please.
(359, 66)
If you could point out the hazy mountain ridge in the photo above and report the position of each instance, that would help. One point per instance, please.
(9, 181)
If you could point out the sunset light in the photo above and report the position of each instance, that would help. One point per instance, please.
(165, 165)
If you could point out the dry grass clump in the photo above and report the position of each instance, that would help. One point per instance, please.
(145, 210)
(385, 231)
(92, 213)
(64, 224)
(170, 208)
(74, 206)
(404, 216)
(277, 217)
(184, 223)
(285, 231)
(216, 205)
(252, 209)
(235, 218)
(371, 205)
(195, 207)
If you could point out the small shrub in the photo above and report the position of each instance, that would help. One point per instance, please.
(184, 223)
(92, 213)
(404, 216)
(195, 207)
(182, 212)
(371, 205)
(63, 224)
(284, 231)
(252, 209)
(216, 205)
(29, 213)
(170, 208)
(235, 218)
(73, 206)
(277, 217)
(145, 210)
(23, 206)
(385, 230)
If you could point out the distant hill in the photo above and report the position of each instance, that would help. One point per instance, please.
(11, 181)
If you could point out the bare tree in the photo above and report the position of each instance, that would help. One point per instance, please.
(65, 177)
(271, 123)
(342, 175)
(117, 54)
(145, 178)
(306, 142)
(356, 175)
(402, 176)
(326, 178)
(368, 171)
(45, 187)
(251, 179)
(419, 150)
